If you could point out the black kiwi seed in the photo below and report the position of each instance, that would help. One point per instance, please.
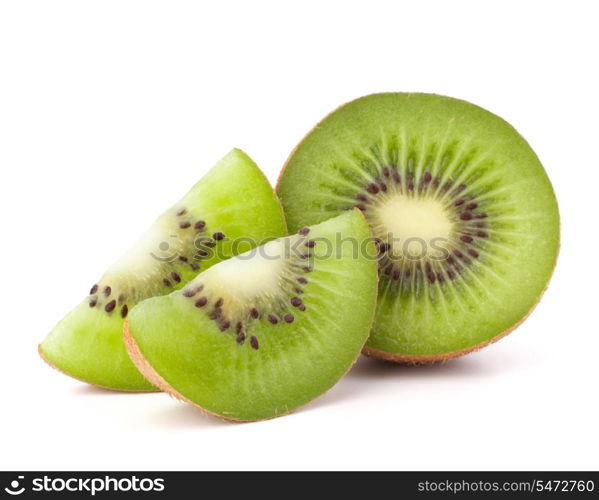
(199, 225)
(184, 224)
(241, 338)
(110, 306)
(201, 302)
(254, 313)
(310, 243)
(216, 313)
(107, 291)
(181, 211)
(190, 292)
(372, 188)
(302, 280)
(288, 318)
(195, 266)
(239, 327)
(383, 247)
(93, 290)
(302, 307)
(176, 277)
(304, 231)
(218, 236)
(219, 303)
(273, 319)
(182, 258)
(209, 243)
(167, 282)
(296, 302)
(254, 343)
(93, 301)
(124, 311)
(225, 325)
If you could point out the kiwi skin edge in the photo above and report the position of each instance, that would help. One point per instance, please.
(153, 377)
(432, 359)
(141, 363)
(104, 387)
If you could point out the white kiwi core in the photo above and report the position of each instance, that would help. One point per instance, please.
(249, 276)
(415, 227)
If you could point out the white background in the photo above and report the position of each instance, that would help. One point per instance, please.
(110, 111)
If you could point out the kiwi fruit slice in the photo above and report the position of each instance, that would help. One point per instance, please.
(265, 332)
(232, 201)
(464, 214)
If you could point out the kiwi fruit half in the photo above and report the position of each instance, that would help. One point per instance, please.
(465, 217)
(260, 334)
(231, 209)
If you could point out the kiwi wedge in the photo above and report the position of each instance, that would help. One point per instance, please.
(232, 201)
(265, 332)
(464, 214)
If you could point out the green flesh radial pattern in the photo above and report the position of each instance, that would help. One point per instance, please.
(464, 214)
(257, 336)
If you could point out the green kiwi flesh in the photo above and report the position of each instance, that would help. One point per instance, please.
(464, 214)
(265, 332)
(233, 200)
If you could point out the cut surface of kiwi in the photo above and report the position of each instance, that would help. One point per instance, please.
(265, 332)
(464, 214)
(234, 200)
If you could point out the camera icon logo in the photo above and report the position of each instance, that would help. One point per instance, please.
(14, 489)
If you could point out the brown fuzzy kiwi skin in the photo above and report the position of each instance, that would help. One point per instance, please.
(153, 377)
(406, 359)
(293, 151)
(111, 389)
